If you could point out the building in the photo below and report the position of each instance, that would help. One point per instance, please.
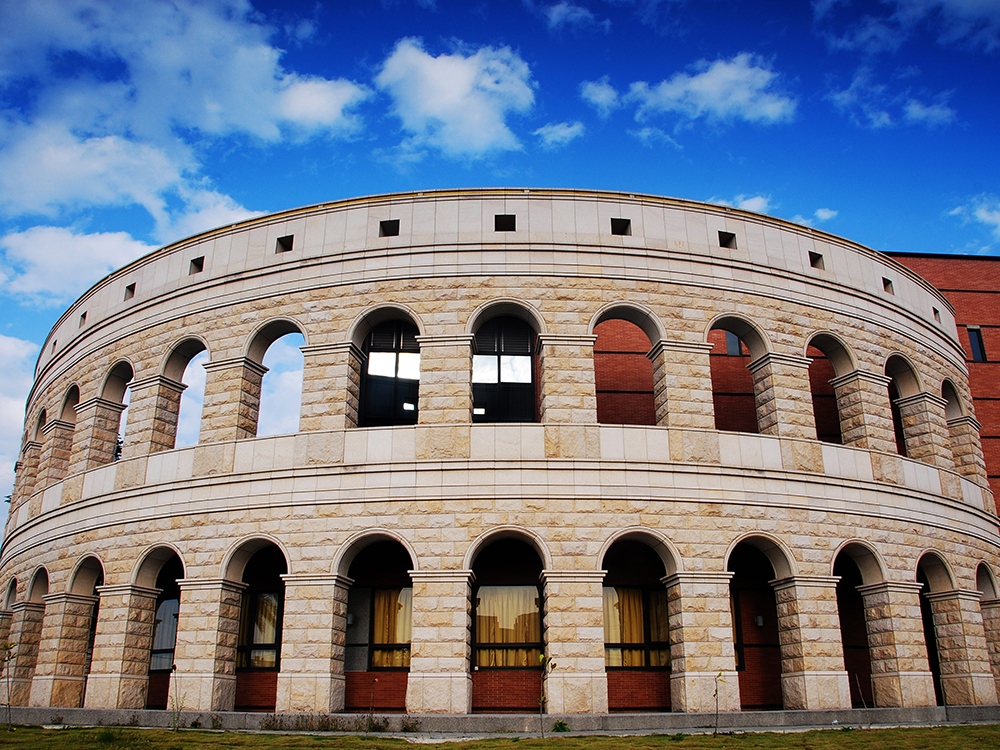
(674, 447)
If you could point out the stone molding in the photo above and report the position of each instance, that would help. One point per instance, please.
(863, 375)
(156, 381)
(703, 577)
(234, 362)
(969, 595)
(773, 358)
(458, 339)
(818, 582)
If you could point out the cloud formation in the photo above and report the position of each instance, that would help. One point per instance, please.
(600, 95)
(871, 104)
(17, 360)
(983, 210)
(565, 14)
(458, 103)
(759, 203)
(819, 215)
(558, 134)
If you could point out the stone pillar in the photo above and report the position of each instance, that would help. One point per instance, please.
(966, 677)
(205, 654)
(567, 389)
(812, 654)
(967, 449)
(119, 671)
(5, 619)
(682, 384)
(783, 396)
(574, 634)
(702, 653)
(311, 679)
(901, 675)
(27, 474)
(25, 634)
(990, 610)
(232, 400)
(152, 416)
(865, 417)
(925, 430)
(57, 444)
(331, 386)
(440, 681)
(61, 671)
(445, 379)
(96, 434)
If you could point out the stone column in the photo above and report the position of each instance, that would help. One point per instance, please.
(57, 444)
(26, 473)
(232, 400)
(574, 634)
(702, 653)
(61, 671)
(990, 610)
(966, 677)
(901, 675)
(25, 634)
(925, 430)
(567, 388)
(967, 449)
(812, 654)
(152, 415)
(783, 395)
(311, 679)
(119, 671)
(865, 417)
(5, 619)
(96, 434)
(331, 386)
(440, 681)
(445, 400)
(205, 654)
(682, 384)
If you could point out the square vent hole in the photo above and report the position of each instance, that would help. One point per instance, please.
(505, 223)
(284, 244)
(621, 226)
(727, 239)
(816, 260)
(388, 228)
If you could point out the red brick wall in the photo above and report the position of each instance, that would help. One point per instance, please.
(389, 692)
(823, 397)
(638, 690)
(506, 690)
(972, 285)
(732, 387)
(623, 374)
(256, 691)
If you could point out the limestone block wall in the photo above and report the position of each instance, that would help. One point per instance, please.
(447, 487)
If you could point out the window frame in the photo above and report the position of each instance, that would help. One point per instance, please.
(647, 645)
(477, 646)
(498, 395)
(248, 614)
(400, 416)
(372, 646)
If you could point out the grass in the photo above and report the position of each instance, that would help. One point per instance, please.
(115, 738)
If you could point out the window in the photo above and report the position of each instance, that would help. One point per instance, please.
(508, 627)
(887, 285)
(503, 388)
(390, 636)
(130, 291)
(197, 265)
(505, 223)
(734, 347)
(621, 226)
(259, 642)
(976, 343)
(388, 228)
(816, 260)
(727, 239)
(391, 381)
(635, 627)
(284, 244)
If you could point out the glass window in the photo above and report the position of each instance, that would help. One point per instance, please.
(635, 628)
(391, 378)
(259, 638)
(978, 347)
(164, 634)
(508, 626)
(391, 613)
(503, 388)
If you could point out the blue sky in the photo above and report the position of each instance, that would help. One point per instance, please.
(128, 124)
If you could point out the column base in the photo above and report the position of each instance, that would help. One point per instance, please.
(439, 693)
(577, 693)
(816, 691)
(64, 692)
(904, 689)
(202, 691)
(694, 692)
(969, 690)
(305, 693)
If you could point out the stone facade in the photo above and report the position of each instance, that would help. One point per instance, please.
(444, 490)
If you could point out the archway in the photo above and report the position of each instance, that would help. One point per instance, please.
(854, 620)
(258, 650)
(504, 368)
(623, 374)
(902, 383)
(933, 574)
(164, 642)
(390, 378)
(828, 360)
(116, 391)
(735, 345)
(181, 419)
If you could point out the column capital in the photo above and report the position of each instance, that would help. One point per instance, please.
(969, 595)
(573, 576)
(317, 579)
(69, 598)
(566, 339)
(38, 607)
(773, 358)
(899, 587)
(718, 577)
(210, 584)
(691, 347)
(31, 445)
(922, 397)
(57, 424)
(965, 419)
(338, 347)
(458, 339)
(234, 362)
(128, 589)
(870, 377)
(154, 381)
(818, 582)
(97, 401)
(442, 576)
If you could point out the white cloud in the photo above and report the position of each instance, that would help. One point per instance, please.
(281, 391)
(17, 360)
(871, 104)
(558, 134)
(600, 95)
(648, 136)
(741, 88)
(192, 400)
(567, 14)
(937, 114)
(819, 215)
(202, 210)
(758, 203)
(457, 103)
(53, 265)
(983, 210)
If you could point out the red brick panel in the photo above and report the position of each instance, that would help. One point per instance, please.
(256, 691)
(159, 686)
(506, 690)
(955, 272)
(375, 691)
(623, 374)
(638, 690)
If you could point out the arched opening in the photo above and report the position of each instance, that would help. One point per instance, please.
(636, 629)
(40, 426)
(68, 411)
(88, 577)
(961, 434)
(755, 628)
(934, 576)
(258, 650)
(854, 626)
(902, 383)
(623, 374)
(989, 608)
(735, 345)
(10, 596)
(281, 387)
(985, 583)
(504, 377)
(828, 359)
(390, 381)
(38, 589)
(186, 365)
(161, 654)
(116, 391)
(507, 627)
(379, 612)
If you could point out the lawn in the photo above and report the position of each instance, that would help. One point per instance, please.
(938, 738)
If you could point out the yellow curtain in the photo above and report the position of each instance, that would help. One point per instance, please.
(508, 615)
(623, 624)
(391, 625)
